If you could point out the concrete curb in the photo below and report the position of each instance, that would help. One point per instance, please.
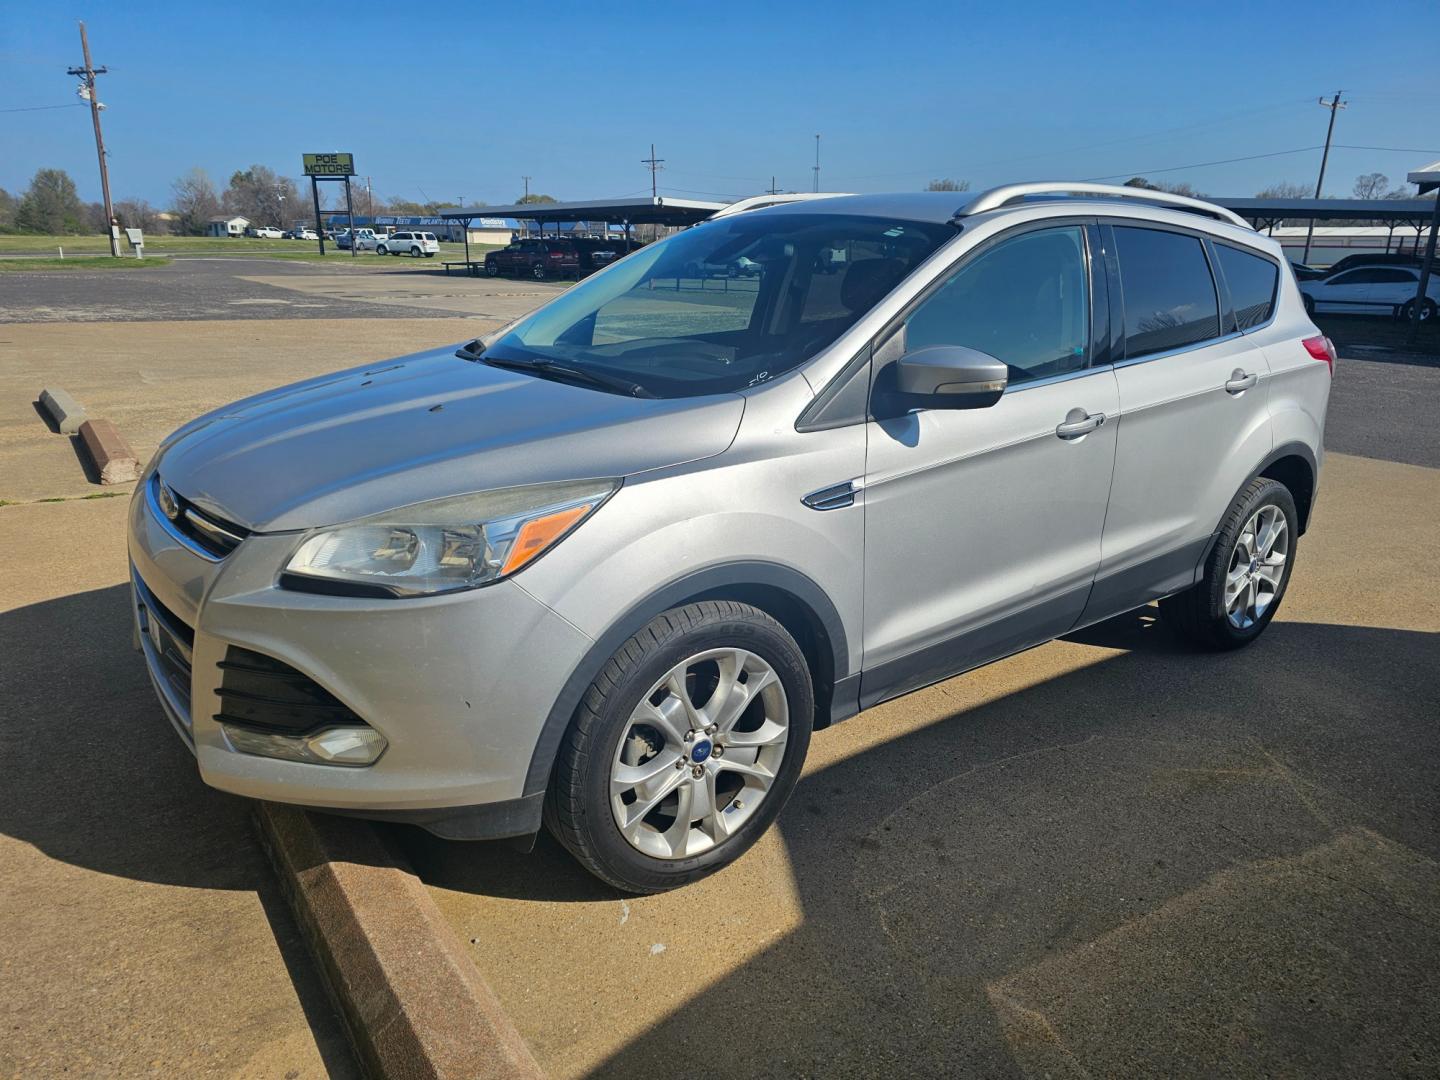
(414, 1003)
(114, 460)
(67, 413)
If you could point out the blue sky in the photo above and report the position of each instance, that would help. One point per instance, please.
(448, 100)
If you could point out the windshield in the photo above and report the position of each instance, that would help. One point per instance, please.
(726, 305)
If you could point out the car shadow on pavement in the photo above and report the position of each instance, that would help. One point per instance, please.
(1160, 863)
(95, 777)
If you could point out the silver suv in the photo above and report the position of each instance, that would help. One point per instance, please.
(610, 567)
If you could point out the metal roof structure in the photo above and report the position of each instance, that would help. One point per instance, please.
(1264, 213)
(1427, 177)
(648, 210)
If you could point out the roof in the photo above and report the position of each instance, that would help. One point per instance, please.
(1333, 209)
(1427, 176)
(227, 218)
(649, 210)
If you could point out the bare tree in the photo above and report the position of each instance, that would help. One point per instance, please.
(1371, 186)
(195, 202)
(1181, 188)
(7, 211)
(1286, 189)
(137, 214)
(948, 185)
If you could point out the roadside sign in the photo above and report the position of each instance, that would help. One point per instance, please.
(329, 164)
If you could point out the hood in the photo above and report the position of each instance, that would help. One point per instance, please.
(423, 427)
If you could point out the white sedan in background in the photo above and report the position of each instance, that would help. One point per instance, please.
(1371, 290)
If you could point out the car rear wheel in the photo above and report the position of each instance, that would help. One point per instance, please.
(684, 749)
(538, 271)
(414, 252)
(1246, 573)
(1427, 310)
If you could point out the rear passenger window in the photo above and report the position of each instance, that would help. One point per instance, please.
(1251, 280)
(1168, 292)
(1024, 301)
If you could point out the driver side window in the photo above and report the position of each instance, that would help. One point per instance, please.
(1025, 302)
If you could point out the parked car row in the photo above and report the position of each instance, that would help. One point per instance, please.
(554, 257)
(1370, 285)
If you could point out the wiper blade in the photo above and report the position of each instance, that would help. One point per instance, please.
(565, 372)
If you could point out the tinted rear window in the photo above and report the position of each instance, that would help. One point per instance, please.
(1252, 281)
(1168, 292)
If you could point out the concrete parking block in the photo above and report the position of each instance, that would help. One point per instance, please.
(114, 460)
(67, 413)
(414, 1003)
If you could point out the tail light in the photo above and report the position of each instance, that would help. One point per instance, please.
(1321, 348)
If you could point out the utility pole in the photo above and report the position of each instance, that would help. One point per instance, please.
(1334, 105)
(89, 71)
(527, 180)
(817, 162)
(655, 165)
(773, 189)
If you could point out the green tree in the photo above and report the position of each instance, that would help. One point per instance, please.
(7, 211)
(194, 202)
(534, 198)
(50, 205)
(264, 197)
(948, 185)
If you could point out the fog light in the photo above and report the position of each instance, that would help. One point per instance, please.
(353, 746)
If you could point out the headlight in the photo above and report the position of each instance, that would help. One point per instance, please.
(448, 544)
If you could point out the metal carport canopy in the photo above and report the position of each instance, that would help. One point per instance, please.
(649, 210)
(1271, 211)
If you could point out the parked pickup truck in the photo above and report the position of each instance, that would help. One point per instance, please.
(539, 259)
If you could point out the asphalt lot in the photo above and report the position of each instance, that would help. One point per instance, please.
(1106, 856)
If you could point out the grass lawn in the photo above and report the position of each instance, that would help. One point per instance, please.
(83, 262)
(198, 245)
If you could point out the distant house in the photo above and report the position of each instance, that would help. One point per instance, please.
(226, 226)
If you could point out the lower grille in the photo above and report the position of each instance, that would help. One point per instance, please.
(260, 692)
(169, 649)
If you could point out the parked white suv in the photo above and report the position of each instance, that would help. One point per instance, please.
(409, 243)
(1372, 290)
(614, 563)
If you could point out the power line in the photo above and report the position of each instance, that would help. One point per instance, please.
(1204, 164)
(1387, 149)
(42, 108)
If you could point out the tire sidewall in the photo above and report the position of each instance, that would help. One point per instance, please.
(603, 834)
(1272, 493)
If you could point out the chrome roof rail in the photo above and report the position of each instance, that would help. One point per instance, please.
(1008, 194)
(759, 202)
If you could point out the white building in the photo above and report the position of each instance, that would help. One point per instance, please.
(227, 226)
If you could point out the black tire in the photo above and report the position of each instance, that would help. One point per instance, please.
(1427, 310)
(414, 252)
(381, 249)
(577, 804)
(1198, 614)
(538, 271)
(491, 270)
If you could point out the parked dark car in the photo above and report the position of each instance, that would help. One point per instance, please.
(1304, 272)
(539, 259)
(595, 253)
(1381, 259)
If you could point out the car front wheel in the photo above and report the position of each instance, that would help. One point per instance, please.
(1246, 573)
(684, 749)
(538, 271)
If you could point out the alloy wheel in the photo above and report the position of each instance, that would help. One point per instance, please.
(699, 753)
(1257, 567)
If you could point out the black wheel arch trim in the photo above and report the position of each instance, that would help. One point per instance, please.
(1290, 449)
(693, 586)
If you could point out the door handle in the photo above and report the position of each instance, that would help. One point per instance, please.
(1078, 422)
(1240, 381)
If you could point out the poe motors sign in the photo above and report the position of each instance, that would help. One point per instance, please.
(329, 164)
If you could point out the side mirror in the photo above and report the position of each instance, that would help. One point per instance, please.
(952, 377)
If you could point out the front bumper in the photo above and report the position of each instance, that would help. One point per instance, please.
(459, 685)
